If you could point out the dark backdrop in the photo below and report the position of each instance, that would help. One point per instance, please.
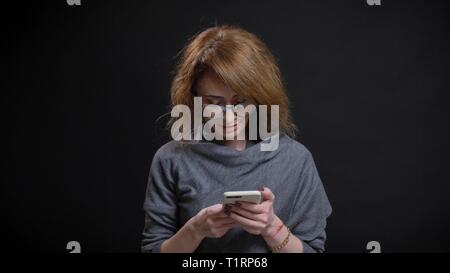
(84, 85)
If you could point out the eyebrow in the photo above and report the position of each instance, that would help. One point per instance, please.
(219, 97)
(214, 96)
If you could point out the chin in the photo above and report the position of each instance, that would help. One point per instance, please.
(231, 135)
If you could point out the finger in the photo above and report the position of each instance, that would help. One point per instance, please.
(223, 221)
(224, 214)
(232, 225)
(220, 215)
(214, 209)
(248, 214)
(267, 194)
(255, 208)
(245, 221)
(225, 229)
(219, 232)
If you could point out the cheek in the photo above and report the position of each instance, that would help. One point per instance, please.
(241, 120)
(241, 127)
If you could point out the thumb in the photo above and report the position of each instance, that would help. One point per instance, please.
(267, 194)
(214, 209)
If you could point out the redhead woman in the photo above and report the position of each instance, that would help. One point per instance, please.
(227, 67)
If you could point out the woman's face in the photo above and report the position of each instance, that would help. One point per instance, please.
(214, 91)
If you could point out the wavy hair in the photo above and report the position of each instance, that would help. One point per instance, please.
(242, 61)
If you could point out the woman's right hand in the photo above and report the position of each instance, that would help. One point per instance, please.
(211, 222)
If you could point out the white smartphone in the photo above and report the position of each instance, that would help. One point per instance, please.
(231, 197)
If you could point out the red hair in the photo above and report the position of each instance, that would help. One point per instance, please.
(242, 61)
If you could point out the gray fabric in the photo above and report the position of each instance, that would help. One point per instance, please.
(184, 178)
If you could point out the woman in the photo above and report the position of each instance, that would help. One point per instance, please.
(225, 66)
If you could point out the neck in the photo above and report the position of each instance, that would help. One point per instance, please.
(236, 144)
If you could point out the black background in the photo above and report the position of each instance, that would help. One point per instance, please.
(85, 84)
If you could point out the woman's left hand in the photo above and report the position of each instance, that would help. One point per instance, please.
(257, 219)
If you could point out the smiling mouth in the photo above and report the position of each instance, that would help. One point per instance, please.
(232, 127)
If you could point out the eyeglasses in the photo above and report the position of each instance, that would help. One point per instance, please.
(225, 108)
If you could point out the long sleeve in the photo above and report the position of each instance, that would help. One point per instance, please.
(160, 205)
(311, 209)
